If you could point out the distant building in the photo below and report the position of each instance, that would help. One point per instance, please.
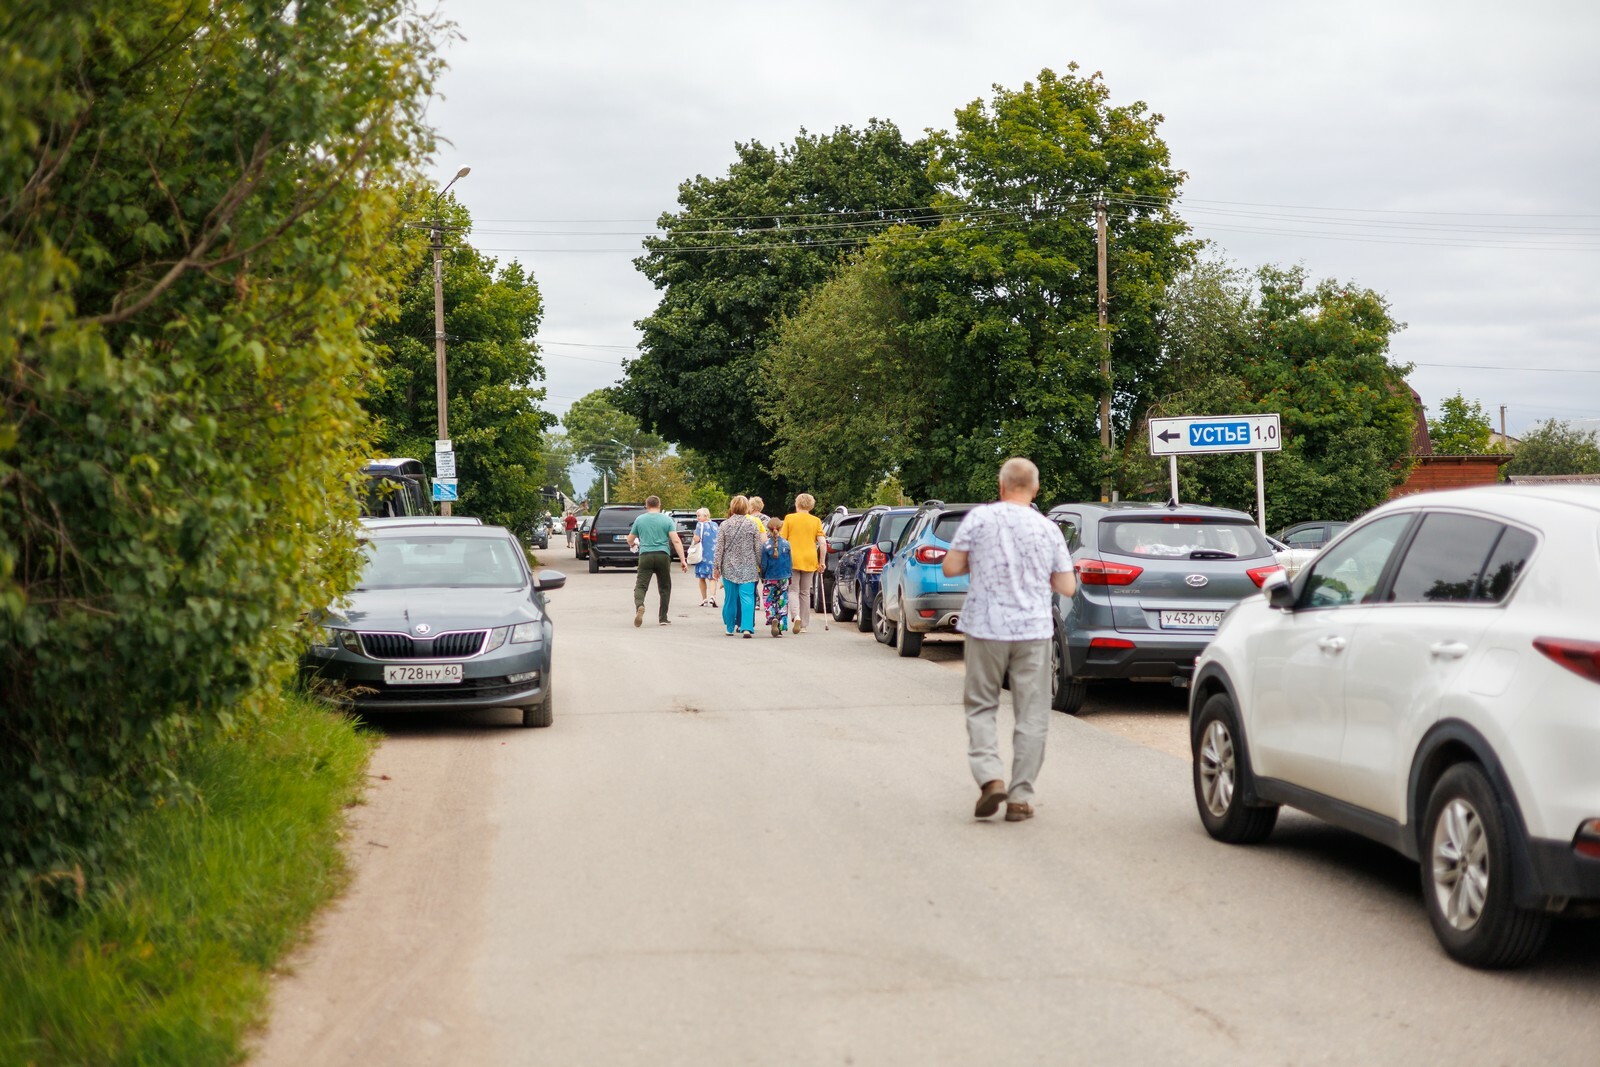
(1429, 471)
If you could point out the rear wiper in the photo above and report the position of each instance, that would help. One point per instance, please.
(1212, 553)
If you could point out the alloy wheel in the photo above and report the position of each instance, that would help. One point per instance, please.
(1217, 769)
(1460, 864)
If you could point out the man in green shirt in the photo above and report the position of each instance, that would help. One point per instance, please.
(653, 536)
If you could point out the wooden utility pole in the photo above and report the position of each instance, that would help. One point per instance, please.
(1105, 339)
(441, 383)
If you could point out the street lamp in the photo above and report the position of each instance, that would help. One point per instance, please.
(440, 383)
(605, 481)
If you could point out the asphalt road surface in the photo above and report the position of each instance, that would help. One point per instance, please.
(762, 851)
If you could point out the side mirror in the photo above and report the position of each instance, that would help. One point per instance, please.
(1280, 593)
(548, 579)
(886, 547)
(836, 545)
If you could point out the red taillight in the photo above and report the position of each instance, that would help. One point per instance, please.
(927, 613)
(1100, 572)
(929, 554)
(1588, 841)
(1260, 574)
(1579, 657)
(1184, 520)
(875, 559)
(1110, 642)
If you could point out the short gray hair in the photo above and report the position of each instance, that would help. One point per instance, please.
(1019, 473)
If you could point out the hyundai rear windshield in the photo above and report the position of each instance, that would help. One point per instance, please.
(1182, 537)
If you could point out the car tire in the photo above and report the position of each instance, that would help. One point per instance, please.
(864, 614)
(883, 630)
(1220, 768)
(1067, 693)
(1466, 876)
(594, 563)
(840, 613)
(907, 641)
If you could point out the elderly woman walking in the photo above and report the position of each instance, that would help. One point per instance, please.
(705, 535)
(737, 566)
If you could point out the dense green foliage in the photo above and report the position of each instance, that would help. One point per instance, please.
(1318, 355)
(196, 223)
(739, 254)
(606, 437)
(1554, 447)
(1461, 428)
(166, 958)
(491, 313)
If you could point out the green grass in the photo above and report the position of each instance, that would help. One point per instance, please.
(167, 961)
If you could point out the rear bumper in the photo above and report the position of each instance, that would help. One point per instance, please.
(1558, 871)
(1153, 655)
(946, 608)
(614, 554)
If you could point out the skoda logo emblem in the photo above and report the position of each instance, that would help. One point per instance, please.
(423, 628)
(1196, 580)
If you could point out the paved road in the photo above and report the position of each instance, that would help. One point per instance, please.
(762, 852)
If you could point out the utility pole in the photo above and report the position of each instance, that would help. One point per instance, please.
(441, 385)
(1105, 338)
(1502, 426)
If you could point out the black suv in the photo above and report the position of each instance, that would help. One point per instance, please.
(608, 537)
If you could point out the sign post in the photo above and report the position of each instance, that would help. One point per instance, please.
(1206, 434)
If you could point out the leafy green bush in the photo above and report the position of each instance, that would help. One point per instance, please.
(198, 221)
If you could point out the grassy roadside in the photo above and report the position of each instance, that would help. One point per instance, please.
(168, 963)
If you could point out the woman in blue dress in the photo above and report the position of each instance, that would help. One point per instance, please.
(705, 535)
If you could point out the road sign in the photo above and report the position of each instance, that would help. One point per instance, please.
(1215, 433)
(444, 490)
(444, 464)
(443, 446)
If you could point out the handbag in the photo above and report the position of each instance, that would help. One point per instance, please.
(696, 552)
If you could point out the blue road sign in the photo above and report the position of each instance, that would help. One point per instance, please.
(444, 490)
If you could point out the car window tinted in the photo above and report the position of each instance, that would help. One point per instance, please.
(1181, 540)
(1349, 572)
(1510, 555)
(1445, 560)
(440, 562)
(864, 532)
(617, 518)
(1069, 530)
(892, 527)
(1310, 537)
(945, 527)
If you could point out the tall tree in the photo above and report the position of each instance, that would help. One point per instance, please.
(739, 254)
(492, 313)
(606, 437)
(197, 212)
(1555, 447)
(1462, 428)
(1002, 299)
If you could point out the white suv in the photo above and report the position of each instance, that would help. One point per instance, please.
(1432, 681)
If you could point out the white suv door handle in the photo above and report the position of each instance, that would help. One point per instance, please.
(1447, 650)
(1331, 644)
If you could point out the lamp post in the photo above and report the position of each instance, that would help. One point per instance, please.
(605, 480)
(440, 382)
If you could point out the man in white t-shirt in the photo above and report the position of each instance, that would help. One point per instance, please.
(1016, 557)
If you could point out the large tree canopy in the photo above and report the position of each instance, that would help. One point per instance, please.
(1555, 447)
(196, 222)
(491, 315)
(741, 252)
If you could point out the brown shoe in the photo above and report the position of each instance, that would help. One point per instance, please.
(1018, 812)
(992, 795)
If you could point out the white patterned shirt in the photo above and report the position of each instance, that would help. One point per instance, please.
(1012, 551)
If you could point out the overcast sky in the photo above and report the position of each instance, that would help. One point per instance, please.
(1444, 154)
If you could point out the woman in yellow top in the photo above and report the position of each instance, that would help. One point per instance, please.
(807, 547)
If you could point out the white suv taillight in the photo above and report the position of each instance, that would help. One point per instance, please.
(1579, 657)
(1588, 840)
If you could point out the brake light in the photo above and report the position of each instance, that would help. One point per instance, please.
(875, 559)
(1184, 520)
(1579, 657)
(1101, 572)
(1259, 575)
(1588, 840)
(1110, 642)
(929, 554)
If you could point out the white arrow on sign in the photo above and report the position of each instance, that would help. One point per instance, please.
(1215, 433)
(444, 489)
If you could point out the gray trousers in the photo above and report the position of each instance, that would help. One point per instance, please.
(1029, 665)
(800, 596)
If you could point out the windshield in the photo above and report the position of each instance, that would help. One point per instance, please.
(1183, 538)
(440, 562)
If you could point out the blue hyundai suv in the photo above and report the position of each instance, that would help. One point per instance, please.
(855, 588)
(915, 598)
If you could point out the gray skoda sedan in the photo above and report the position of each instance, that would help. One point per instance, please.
(446, 618)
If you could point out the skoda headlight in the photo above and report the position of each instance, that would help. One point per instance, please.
(524, 632)
(497, 637)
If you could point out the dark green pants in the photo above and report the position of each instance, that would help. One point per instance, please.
(660, 565)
